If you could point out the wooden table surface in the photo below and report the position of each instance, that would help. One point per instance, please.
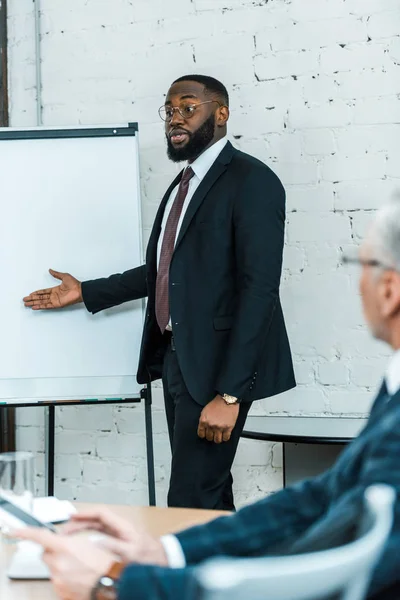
(157, 521)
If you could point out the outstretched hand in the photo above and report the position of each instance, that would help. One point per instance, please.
(67, 293)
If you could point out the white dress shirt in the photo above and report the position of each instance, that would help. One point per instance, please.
(393, 374)
(173, 549)
(200, 167)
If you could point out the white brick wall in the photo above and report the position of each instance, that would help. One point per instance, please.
(315, 87)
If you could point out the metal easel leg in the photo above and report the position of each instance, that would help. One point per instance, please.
(146, 395)
(7, 429)
(50, 437)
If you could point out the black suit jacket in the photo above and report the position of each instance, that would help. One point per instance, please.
(227, 319)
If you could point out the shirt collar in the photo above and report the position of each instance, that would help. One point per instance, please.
(393, 374)
(204, 162)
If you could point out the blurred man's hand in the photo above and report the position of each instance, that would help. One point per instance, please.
(67, 293)
(130, 543)
(75, 564)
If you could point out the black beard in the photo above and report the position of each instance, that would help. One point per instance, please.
(198, 141)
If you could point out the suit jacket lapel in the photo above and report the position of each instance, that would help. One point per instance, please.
(381, 398)
(383, 404)
(209, 180)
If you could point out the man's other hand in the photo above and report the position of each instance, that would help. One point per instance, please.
(217, 420)
(67, 293)
(127, 541)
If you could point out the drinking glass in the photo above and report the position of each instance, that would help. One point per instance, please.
(17, 474)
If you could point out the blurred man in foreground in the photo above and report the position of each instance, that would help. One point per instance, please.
(299, 517)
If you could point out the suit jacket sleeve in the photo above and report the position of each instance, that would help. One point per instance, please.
(305, 517)
(340, 523)
(259, 224)
(99, 294)
(259, 528)
(143, 582)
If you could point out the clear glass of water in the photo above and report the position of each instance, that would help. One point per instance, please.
(17, 475)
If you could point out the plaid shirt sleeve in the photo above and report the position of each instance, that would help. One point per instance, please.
(260, 527)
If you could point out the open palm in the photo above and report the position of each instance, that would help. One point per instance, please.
(67, 293)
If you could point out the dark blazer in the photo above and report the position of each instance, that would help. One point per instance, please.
(299, 517)
(227, 319)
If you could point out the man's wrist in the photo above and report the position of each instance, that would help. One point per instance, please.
(80, 293)
(107, 586)
(175, 557)
(229, 399)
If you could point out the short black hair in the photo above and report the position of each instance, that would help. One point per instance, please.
(211, 85)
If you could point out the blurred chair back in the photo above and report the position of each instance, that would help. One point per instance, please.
(343, 572)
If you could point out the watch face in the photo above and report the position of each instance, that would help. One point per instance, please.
(106, 589)
(229, 399)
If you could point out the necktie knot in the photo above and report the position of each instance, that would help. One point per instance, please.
(187, 175)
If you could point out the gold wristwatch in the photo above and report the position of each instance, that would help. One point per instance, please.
(230, 399)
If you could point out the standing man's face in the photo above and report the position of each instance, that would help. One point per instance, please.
(201, 124)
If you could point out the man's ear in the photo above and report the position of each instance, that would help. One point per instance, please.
(389, 292)
(222, 116)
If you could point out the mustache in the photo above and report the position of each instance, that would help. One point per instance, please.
(178, 130)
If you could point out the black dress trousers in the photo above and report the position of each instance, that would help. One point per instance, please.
(200, 470)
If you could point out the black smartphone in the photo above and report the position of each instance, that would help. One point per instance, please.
(18, 513)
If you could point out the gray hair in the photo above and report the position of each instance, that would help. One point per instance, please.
(386, 233)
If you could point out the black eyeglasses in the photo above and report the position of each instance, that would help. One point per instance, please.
(185, 110)
(364, 262)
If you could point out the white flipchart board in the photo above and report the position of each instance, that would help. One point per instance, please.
(70, 201)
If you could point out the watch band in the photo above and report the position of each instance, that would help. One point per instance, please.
(116, 569)
(106, 587)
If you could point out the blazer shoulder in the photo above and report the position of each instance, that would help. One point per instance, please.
(386, 428)
(246, 165)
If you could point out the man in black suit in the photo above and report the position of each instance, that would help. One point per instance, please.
(214, 328)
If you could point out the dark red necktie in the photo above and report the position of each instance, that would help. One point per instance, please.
(167, 249)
